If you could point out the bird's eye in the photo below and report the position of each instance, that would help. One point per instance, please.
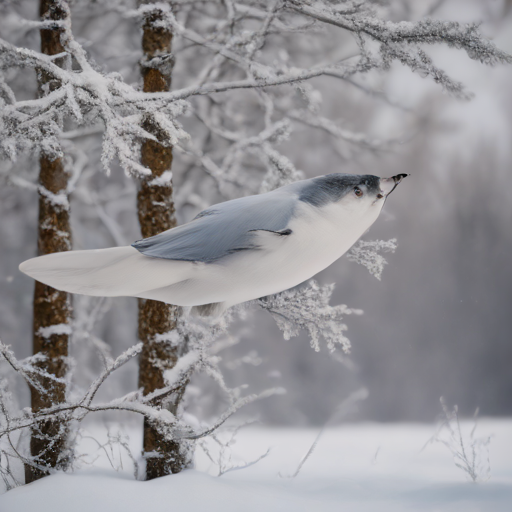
(358, 192)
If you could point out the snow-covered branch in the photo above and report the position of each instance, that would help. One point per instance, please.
(84, 96)
(363, 20)
(87, 94)
(307, 308)
(366, 253)
(200, 336)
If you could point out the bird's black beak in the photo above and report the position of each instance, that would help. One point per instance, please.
(387, 185)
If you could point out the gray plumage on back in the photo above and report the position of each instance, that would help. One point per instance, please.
(230, 227)
(223, 229)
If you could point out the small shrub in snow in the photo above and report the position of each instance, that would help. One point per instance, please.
(470, 453)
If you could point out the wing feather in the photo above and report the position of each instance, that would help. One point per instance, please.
(223, 229)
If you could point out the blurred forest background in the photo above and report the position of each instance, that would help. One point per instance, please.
(438, 322)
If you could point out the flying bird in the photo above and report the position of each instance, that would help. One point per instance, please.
(232, 252)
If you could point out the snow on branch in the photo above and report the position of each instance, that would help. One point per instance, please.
(363, 20)
(417, 60)
(84, 95)
(200, 335)
(281, 170)
(366, 253)
(402, 40)
(239, 37)
(307, 308)
(20, 368)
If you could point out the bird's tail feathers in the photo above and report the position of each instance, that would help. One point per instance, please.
(118, 271)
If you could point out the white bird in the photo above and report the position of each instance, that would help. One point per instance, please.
(232, 252)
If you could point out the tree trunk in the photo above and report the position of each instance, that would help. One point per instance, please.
(156, 214)
(52, 308)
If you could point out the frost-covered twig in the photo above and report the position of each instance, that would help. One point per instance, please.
(120, 361)
(470, 454)
(19, 368)
(117, 439)
(366, 253)
(428, 31)
(223, 458)
(229, 412)
(340, 410)
(307, 308)
(152, 406)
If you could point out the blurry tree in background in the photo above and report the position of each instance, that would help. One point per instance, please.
(243, 80)
(156, 211)
(52, 308)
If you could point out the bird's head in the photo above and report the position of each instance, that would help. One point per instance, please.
(355, 197)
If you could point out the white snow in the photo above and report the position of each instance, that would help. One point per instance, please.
(354, 468)
(162, 181)
(184, 363)
(48, 332)
(60, 199)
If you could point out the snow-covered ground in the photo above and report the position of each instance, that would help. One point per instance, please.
(354, 468)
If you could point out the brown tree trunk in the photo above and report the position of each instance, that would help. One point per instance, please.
(52, 308)
(156, 214)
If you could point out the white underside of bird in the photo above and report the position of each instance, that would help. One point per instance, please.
(319, 236)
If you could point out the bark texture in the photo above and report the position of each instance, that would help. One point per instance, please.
(156, 214)
(52, 308)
